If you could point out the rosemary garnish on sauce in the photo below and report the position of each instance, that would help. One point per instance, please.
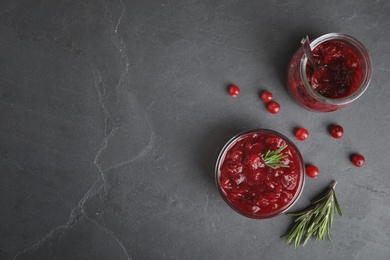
(317, 220)
(272, 158)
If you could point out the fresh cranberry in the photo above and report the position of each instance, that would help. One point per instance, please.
(302, 134)
(358, 160)
(312, 171)
(267, 97)
(234, 91)
(273, 107)
(337, 131)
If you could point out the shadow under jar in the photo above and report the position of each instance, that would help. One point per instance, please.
(342, 74)
(248, 185)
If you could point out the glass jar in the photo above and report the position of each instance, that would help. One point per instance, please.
(299, 83)
(253, 188)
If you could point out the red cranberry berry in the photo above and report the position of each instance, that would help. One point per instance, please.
(273, 107)
(267, 97)
(312, 171)
(234, 91)
(337, 131)
(358, 160)
(302, 134)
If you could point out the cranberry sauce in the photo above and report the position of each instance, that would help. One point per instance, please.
(342, 75)
(339, 70)
(249, 185)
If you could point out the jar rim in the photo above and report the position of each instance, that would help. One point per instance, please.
(363, 54)
(234, 140)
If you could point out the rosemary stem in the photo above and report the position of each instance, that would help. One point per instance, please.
(317, 220)
(333, 185)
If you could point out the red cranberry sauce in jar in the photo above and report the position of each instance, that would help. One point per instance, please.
(253, 188)
(342, 75)
(339, 70)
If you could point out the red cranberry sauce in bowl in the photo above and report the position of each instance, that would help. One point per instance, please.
(250, 184)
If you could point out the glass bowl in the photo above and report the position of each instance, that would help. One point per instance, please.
(249, 185)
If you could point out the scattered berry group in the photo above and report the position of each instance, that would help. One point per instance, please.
(336, 131)
(267, 97)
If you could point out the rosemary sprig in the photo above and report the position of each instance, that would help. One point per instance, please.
(272, 158)
(317, 220)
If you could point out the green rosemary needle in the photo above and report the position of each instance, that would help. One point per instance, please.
(317, 220)
(272, 158)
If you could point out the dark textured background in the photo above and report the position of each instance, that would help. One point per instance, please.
(113, 113)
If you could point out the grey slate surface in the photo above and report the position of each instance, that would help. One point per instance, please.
(113, 113)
